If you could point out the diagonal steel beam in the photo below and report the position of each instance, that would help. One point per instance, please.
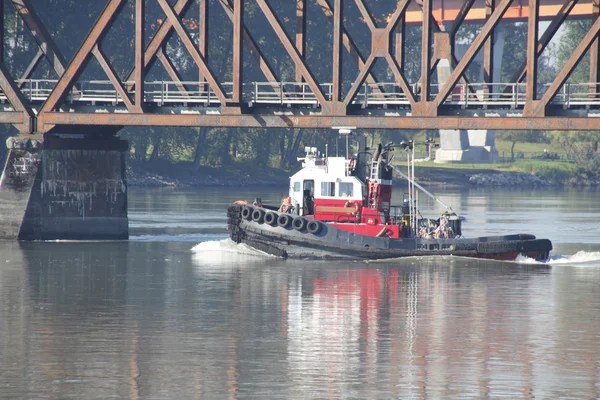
(112, 76)
(173, 74)
(546, 37)
(571, 63)
(472, 51)
(400, 9)
(437, 27)
(16, 98)
(191, 48)
(400, 79)
(348, 43)
(265, 67)
(366, 14)
(78, 63)
(460, 17)
(41, 35)
(31, 67)
(360, 80)
(297, 59)
(161, 37)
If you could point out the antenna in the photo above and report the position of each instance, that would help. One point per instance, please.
(345, 131)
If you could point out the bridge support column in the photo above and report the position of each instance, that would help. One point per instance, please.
(471, 146)
(64, 188)
(466, 146)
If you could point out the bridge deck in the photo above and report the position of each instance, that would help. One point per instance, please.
(295, 94)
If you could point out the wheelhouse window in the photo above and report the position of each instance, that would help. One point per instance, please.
(297, 187)
(328, 189)
(346, 189)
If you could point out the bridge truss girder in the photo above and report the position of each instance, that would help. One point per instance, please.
(425, 111)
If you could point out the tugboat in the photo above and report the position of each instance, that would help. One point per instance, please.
(340, 208)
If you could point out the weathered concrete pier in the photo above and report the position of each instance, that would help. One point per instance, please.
(69, 187)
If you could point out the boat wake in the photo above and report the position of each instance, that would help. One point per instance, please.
(581, 258)
(175, 238)
(217, 250)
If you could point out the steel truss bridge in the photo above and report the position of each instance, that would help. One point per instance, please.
(68, 103)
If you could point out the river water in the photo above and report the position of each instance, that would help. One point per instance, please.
(179, 312)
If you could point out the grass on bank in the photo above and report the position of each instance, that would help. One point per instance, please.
(555, 171)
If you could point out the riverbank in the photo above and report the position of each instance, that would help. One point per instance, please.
(164, 174)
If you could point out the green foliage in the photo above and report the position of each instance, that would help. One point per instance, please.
(555, 171)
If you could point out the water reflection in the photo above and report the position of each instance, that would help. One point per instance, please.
(153, 318)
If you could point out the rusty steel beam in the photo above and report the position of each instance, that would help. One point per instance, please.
(360, 80)
(297, 58)
(202, 35)
(472, 51)
(238, 14)
(324, 121)
(438, 27)
(31, 67)
(112, 76)
(337, 53)
(193, 51)
(17, 100)
(366, 14)
(41, 35)
(300, 32)
(488, 51)
(532, 40)
(426, 51)
(462, 14)
(160, 38)
(349, 44)
(547, 36)
(139, 55)
(173, 74)
(78, 62)
(399, 75)
(595, 52)
(11, 117)
(571, 63)
(381, 47)
(263, 63)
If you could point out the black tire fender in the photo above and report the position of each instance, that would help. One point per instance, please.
(299, 223)
(284, 220)
(271, 218)
(314, 226)
(247, 212)
(258, 215)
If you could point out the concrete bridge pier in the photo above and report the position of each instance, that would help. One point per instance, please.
(70, 187)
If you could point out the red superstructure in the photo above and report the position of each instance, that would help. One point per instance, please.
(348, 193)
